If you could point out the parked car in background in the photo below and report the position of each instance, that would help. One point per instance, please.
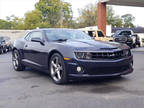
(127, 37)
(5, 44)
(142, 42)
(2, 46)
(97, 35)
(67, 54)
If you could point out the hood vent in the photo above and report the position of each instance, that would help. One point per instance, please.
(108, 48)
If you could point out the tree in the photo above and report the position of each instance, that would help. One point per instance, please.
(128, 20)
(16, 22)
(113, 19)
(55, 12)
(5, 24)
(87, 16)
(34, 19)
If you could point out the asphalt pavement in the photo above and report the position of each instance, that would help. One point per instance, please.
(33, 89)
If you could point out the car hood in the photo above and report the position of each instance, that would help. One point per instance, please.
(94, 45)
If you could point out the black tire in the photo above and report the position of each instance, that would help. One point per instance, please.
(9, 48)
(16, 60)
(139, 45)
(1, 50)
(4, 50)
(57, 69)
(134, 45)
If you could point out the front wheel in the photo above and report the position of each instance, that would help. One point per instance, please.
(139, 45)
(57, 69)
(134, 45)
(16, 60)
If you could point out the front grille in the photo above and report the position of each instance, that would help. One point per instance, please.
(120, 39)
(107, 55)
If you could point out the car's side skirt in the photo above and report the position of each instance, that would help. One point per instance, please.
(34, 65)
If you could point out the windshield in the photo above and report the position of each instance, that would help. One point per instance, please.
(122, 33)
(57, 34)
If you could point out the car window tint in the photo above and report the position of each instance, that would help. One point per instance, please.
(90, 33)
(34, 35)
(125, 33)
(27, 37)
(53, 35)
(100, 34)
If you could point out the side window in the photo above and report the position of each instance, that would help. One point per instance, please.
(90, 33)
(100, 34)
(122, 33)
(33, 35)
(125, 33)
(27, 37)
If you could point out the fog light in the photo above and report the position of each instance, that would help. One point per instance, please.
(79, 69)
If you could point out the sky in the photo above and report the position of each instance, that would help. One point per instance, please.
(20, 7)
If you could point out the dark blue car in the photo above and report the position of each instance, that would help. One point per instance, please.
(67, 54)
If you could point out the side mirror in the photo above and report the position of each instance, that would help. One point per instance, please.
(37, 40)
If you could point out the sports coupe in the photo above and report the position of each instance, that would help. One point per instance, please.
(68, 54)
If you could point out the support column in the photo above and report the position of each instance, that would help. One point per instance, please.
(102, 17)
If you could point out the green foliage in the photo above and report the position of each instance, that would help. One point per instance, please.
(88, 16)
(12, 22)
(16, 23)
(5, 24)
(55, 12)
(113, 19)
(34, 19)
(47, 13)
(128, 20)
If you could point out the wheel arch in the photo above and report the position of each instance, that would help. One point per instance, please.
(14, 48)
(53, 52)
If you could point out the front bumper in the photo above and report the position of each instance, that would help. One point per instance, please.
(99, 68)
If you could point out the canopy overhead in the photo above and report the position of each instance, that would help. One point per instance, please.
(137, 3)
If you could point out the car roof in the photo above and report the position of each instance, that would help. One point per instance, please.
(125, 30)
(43, 29)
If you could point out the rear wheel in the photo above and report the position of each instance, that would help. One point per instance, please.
(57, 69)
(134, 45)
(16, 60)
(139, 45)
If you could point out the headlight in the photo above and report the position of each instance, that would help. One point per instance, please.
(127, 52)
(83, 55)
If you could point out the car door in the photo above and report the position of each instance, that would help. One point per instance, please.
(34, 52)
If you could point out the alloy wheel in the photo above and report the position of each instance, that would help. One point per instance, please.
(15, 60)
(56, 68)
